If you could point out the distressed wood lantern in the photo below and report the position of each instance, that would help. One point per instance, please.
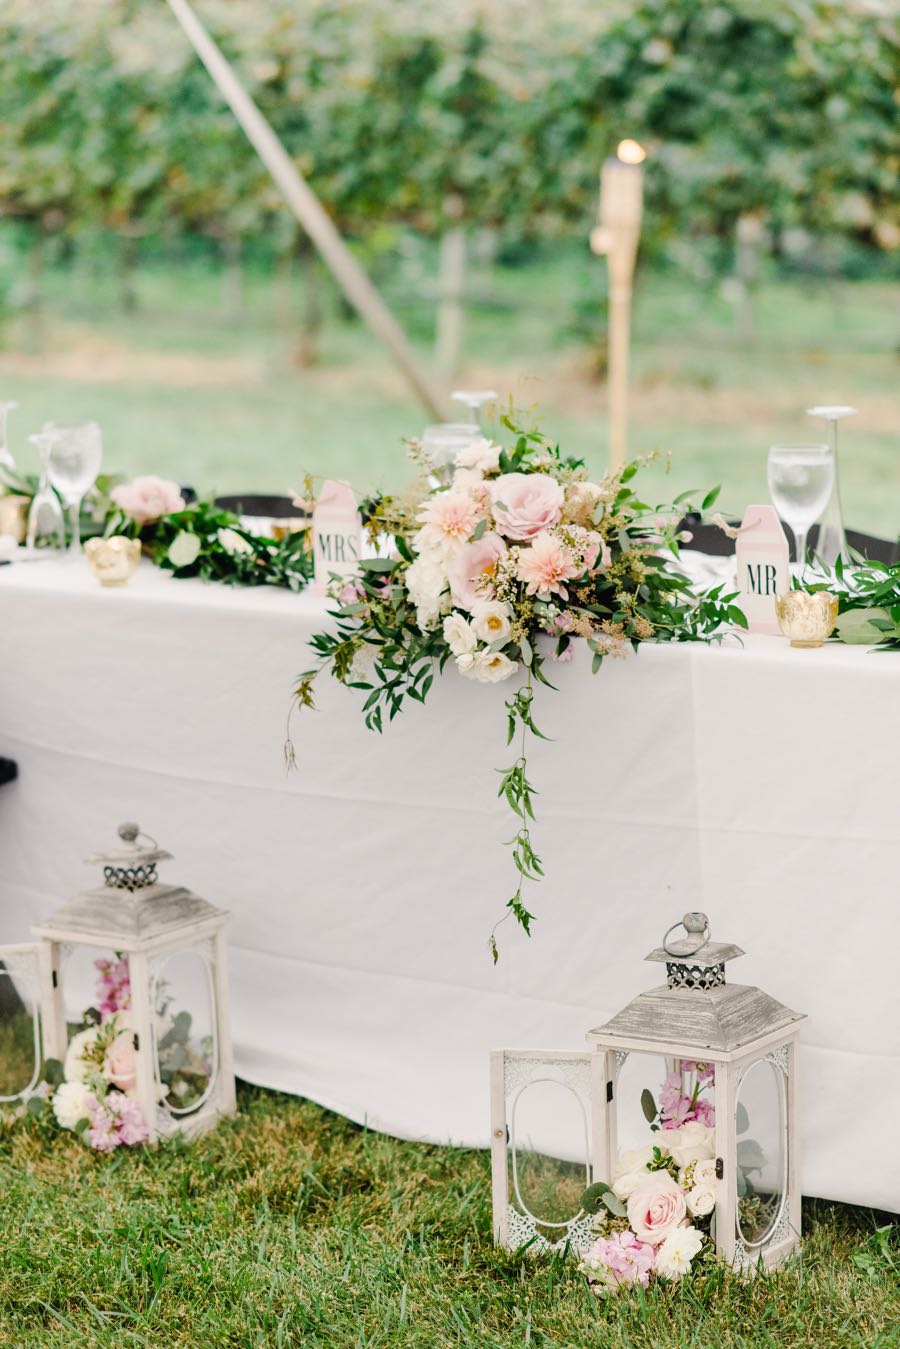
(173, 942)
(693, 1050)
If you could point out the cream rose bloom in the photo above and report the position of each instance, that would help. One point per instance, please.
(690, 1143)
(488, 667)
(634, 1159)
(233, 542)
(701, 1201)
(490, 621)
(625, 1185)
(74, 1066)
(673, 1259)
(458, 635)
(656, 1208)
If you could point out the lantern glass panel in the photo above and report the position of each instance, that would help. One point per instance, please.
(761, 1124)
(654, 1094)
(20, 1026)
(93, 977)
(185, 1036)
(549, 1154)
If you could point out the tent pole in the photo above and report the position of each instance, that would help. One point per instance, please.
(307, 208)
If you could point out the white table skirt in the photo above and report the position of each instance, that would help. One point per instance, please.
(754, 782)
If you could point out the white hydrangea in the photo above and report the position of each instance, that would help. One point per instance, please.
(70, 1103)
(428, 588)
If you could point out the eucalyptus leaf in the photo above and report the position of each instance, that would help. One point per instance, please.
(37, 1105)
(648, 1105)
(54, 1072)
(614, 1204)
(750, 1155)
(593, 1196)
(856, 626)
(741, 1118)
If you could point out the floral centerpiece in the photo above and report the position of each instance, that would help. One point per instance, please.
(499, 565)
(93, 1091)
(658, 1216)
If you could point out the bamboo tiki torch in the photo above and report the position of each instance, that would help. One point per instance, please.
(617, 234)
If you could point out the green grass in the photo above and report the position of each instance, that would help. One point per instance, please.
(289, 1226)
(184, 389)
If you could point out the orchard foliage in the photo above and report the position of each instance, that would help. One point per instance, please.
(415, 112)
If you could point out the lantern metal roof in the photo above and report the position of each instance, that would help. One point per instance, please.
(132, 907)
(695, 1007)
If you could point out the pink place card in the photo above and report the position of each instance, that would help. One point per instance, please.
(763, 569)
(337, 534)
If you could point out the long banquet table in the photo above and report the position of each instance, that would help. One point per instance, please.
(751, 781)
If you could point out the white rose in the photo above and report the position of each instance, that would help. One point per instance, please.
(674, 1256)
(690, 1143)
(426, 585)
(481, 454)
(701, 1201)
(625, 1185)
(458, 635)
(492, 667)
(233, 542)
(75, 1067)
(465, 663)
(490, 621)
(705, 1173)
(70, 1103)
(634, 1159)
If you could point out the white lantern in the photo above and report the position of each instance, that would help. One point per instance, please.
(174, 945)
(696, 1051)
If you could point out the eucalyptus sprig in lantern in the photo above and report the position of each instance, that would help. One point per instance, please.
(161, 1033)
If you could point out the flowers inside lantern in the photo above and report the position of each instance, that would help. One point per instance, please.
(679, 1126)
(152, 1054)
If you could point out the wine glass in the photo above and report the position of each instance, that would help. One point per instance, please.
(832, 542)
(443, 441)
(800, 482)
(475, 400)
(76, 451)
(7, 462)
(46, 524)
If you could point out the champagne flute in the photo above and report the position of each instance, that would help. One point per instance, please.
(46, 524)
(76, 452)
(800, 482)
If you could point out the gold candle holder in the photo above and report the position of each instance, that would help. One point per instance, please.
(114, 560)
(807, 617)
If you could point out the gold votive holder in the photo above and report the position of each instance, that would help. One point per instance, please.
(807, 617)
(14, 515)
(114, 560)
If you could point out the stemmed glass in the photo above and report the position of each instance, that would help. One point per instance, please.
(7, 462)
(475, 400)
(443, 441)
(46, 524)
(74, 461)
(832, 542)
(800, 482)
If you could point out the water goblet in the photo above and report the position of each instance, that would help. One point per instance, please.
(46, 524)
(475, 400)
(76, 452)
(443, 441)
(832, 542)
(800, 482)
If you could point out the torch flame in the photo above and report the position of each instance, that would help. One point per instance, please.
(631, 152)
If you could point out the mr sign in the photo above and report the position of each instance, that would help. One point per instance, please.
(337, 534)
(762, 567)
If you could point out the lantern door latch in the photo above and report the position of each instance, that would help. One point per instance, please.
(609, 1091)
(720, 1168)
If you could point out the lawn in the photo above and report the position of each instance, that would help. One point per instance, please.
(289, 1226)
(188, 388)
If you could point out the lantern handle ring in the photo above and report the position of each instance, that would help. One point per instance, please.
(704, 937)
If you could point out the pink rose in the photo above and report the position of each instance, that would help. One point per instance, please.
(656, 1208)
(525, 503)
(148, 498)
(471, 563)
(120, 1065)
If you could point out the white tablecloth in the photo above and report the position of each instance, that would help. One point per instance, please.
(754, 782)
